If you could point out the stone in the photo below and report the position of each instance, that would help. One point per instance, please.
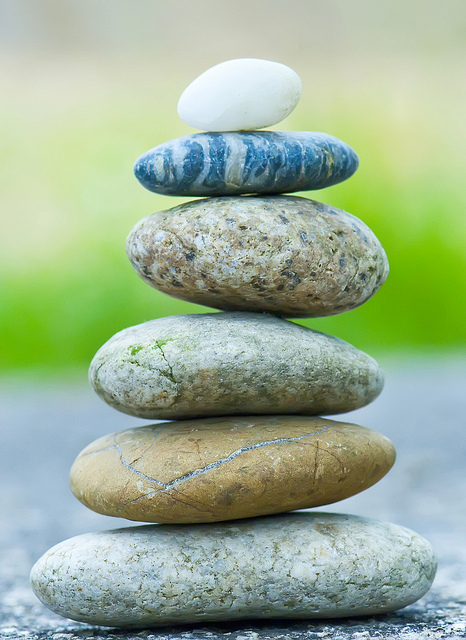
(231, 363)
(222, 164)
(242, 94)
(230, 468)
(279, 254)
(302, 565)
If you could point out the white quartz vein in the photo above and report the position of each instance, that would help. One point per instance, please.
(213, 465)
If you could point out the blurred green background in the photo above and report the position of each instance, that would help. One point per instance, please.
(90, 85)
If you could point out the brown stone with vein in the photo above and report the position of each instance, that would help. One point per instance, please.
(223, 468)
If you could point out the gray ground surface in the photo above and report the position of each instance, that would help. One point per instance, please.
(422, 410)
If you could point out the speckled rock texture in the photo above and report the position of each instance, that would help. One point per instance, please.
(289, 566)
(220, 164)
(227, 468)
(280, 254)
(231, 363)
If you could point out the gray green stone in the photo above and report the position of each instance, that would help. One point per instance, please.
(231, 363)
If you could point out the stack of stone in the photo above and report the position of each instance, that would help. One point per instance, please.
(241, 388)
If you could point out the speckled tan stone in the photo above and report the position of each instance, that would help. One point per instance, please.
(281, 254)
(300, 565)
(215, 469)
(231, 363)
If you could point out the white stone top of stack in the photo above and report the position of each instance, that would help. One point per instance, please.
(240, 95)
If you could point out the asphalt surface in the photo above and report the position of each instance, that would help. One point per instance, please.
(422, 410)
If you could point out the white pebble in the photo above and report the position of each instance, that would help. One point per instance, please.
(240, 95)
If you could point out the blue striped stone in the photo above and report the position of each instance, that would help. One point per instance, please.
(262, 162)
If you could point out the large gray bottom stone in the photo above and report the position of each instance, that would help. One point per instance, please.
(305, 565)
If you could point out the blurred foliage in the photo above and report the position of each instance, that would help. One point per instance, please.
(70, 132)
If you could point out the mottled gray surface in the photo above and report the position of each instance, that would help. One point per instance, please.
(295, 565)
(286, 255)
(231, 363)
(422, 409)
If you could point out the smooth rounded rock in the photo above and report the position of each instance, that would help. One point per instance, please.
(215, 469)
(222, 164)
(280, 254)
(242, 94)
(231, 363)
(304, 565)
